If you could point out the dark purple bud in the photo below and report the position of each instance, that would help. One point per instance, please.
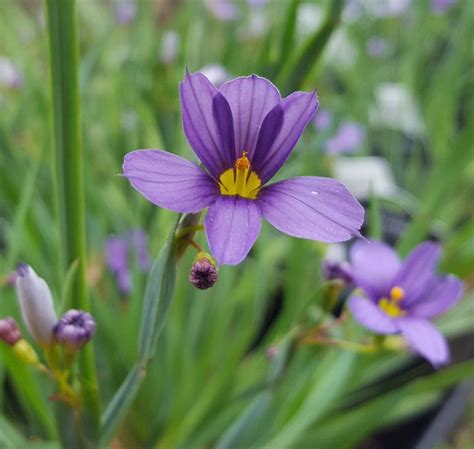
(337, 270)
(74, 329)
(9, 331)
(203, 272)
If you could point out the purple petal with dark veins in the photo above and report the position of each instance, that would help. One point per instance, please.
(232, 226)
(416, 273)
(443, 295)
(373, 267)
(197, 100)
(225, 126)
(371, 316)
(170, 181)
(250, 99)
(312, 208)
(425, 339)
(298, 109)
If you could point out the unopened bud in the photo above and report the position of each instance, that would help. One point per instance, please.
(74, 329)
(335, 270)
(36, 304)
(9, 331)
(203, 273)
(26, 352)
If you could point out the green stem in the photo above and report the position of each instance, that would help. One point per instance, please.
(69, 180)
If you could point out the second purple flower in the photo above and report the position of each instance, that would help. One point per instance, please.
(243, 133)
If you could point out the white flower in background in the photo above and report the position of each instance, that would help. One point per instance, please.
(9, 75)
(257, 24)
(36, 303)
(396, 108)
(365, 176)
(340, 50)
(169, 47)
(215, 73)
(309, 18)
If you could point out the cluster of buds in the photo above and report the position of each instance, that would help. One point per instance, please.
(72, 331)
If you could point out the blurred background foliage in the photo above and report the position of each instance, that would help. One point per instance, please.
(404, 75)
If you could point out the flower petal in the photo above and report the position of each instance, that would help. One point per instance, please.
(370, 316)
(232, 226)
(425, 339)
(416, 272)
(312, 208)
(199, 109)
(373, 267)
(250, 99)
(170, 181)
(445, 294)
(298, 109)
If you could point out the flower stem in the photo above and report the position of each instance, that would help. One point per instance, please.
(69, 179)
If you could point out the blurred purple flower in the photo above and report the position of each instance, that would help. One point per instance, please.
(377, 47)
(10, 76)
(402, 297)
(323, 119)
(74, 329)
(348, 139)
(117, 252)
(117, 260)
(140, 242)
(125, 12)
(243, 133)
(169, 47)
(441, 6)
(224, 10)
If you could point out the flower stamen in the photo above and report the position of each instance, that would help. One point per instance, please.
(392, 306)
(240, 180)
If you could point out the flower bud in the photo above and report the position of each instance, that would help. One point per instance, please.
(26, 352)
(337, 270)
(36, 304)
(9, 331)
(74, 329)
(203, 273)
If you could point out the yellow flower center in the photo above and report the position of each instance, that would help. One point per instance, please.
(240, 180)
(391, 306)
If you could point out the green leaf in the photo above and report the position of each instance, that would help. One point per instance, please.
(294, 73)
(158, 296)
(237, 435)
(119, 405)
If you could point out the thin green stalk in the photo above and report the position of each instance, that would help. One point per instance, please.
(69, 181)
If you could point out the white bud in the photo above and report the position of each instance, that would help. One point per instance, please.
(36, 304)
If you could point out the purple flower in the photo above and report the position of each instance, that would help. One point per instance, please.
(224, 10)
(348, 139)
(441, 6)
(9, 331)
(140, 242)
(243, 133)
(125, 12)
(377, 47)
(402, 297)
(116, 251)
(74, 329)
(323, 119)
(10, 76)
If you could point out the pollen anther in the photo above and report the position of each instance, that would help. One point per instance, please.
(397, 294)
(240, 180)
